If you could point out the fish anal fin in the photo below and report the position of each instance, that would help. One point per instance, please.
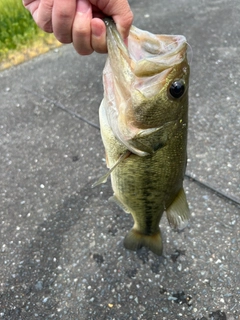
(135, 240)
(178, 212)
(119, 203)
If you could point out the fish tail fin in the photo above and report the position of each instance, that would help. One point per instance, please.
(178, 212)
(135, 240)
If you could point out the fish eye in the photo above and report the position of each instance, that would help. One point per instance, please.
(177, 88)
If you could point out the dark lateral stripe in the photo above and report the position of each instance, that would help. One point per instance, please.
(148, 225)
(148, 219)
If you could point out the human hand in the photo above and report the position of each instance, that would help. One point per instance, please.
(80, 21)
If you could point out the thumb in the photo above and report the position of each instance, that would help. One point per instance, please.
(120, 12)
(123, 19)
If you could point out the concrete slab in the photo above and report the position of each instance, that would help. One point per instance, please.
(61, 241)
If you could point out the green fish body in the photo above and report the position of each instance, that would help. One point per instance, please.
(143, 120)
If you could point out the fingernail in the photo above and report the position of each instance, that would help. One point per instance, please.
(83, 6)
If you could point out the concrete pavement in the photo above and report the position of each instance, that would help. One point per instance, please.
(61, 251)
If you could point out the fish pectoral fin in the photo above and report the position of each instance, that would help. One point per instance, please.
(104, 178)
(135, 240)
(148, 147)
(119, 203)
(152, 139)
(178, 212)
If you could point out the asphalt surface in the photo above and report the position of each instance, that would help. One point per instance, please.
(61, 251)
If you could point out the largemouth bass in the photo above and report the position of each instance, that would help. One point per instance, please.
(143, 120)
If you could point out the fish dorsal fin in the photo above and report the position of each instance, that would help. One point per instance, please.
(104, 178)
(178, 212)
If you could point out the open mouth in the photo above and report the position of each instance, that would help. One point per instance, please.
(152, 54)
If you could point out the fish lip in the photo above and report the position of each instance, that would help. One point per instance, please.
(114, 38)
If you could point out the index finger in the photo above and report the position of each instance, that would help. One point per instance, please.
(62, 19)
(123, 21)
(31, 6)
(41, 11)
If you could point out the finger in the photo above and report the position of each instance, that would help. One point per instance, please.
(81, 31)
(98, 38)
(120, 11)
(124, 22)
(62, 19)
(31, 6)
(43, 15)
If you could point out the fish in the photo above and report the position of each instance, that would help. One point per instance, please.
(143, 123)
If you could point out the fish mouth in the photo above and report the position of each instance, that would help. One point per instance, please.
(152, 54)
(136, 77)
(147, 53)
(146, 59)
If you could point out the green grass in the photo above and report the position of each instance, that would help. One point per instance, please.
(17, 27)
(20, 37)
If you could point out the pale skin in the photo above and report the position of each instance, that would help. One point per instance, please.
(79, 21)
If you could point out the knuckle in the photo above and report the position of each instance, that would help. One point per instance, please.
(64, 14)
(45, 26)
(82, 47)
(81, 31)
(99, 46)
(64, 38)
(129, 17)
